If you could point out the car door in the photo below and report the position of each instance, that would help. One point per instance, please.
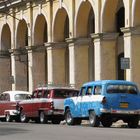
(86, 101)
(45, 100)
(1, 104)
(80, 102)
(5, 103)
(36, 103)
(30, 106)
(9, 102)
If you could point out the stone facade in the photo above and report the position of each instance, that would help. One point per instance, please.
(67, 42)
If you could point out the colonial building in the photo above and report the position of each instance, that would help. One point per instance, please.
(67, 42)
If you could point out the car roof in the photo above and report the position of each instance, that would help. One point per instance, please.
(17, 91)
(51, 88)
(13, 93)
(103, 82)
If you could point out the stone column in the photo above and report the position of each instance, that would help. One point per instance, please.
(13, 71)
(36, 66)
(132, 51)
(5, 73)
(56, 63)
(78, 60)
(30, 70)
(105, 55)
(19, 69)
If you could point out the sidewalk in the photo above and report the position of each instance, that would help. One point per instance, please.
(119, 123)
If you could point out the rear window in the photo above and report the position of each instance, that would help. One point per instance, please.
(62, 93)
(130, 89)
(19, 97)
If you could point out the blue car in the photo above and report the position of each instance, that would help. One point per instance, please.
(104, 101)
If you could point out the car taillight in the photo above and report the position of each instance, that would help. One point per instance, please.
(52, 105)
(104, 100)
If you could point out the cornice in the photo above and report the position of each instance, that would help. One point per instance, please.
(7, 4)
(18, 51)
(55, 45)
(78, 41)
(130, 31)
(104, 36)
(35, 48)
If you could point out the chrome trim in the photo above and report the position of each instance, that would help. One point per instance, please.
(52, 112)
(103, 110)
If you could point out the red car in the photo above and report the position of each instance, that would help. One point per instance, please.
(45, 104)
(8, 102)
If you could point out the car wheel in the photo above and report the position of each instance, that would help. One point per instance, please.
(93, 119)
(133, 123)
(23, 117)
(8, 118)
(42, 117)
(68, 117)
(106, 121)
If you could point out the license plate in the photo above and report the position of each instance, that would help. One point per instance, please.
(124, 105)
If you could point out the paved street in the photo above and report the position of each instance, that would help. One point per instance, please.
(33, 131)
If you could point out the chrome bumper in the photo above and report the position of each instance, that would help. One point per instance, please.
(112, 111)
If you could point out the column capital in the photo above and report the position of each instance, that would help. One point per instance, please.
(35, 48)
(130, 31)
(18, 51)
(104, 36)
(55, 45)
(78, 41)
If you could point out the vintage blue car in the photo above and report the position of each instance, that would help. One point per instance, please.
(104, 101)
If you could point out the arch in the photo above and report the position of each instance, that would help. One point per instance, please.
(61, 32)
(5, 37)
(5, 60)
(135, 13)
(22, 34)
(83, 26)
(108, 14)
(40, 30)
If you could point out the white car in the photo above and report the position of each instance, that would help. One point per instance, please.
(8, 103)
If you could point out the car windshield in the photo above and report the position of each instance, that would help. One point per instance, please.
(19, 97)
(131, 89)
(63, 93)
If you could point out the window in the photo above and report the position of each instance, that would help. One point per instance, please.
(39, 95)
(89, 91)
(46, 93)
(65, 93)
(1, 97)
(7, 97)
(34, 94)
(97, 90)
(19, 97)
(83, 91)
(122, 89)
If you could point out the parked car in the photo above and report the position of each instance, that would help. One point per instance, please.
(105, 101)
(47, 103)
(8, 103)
